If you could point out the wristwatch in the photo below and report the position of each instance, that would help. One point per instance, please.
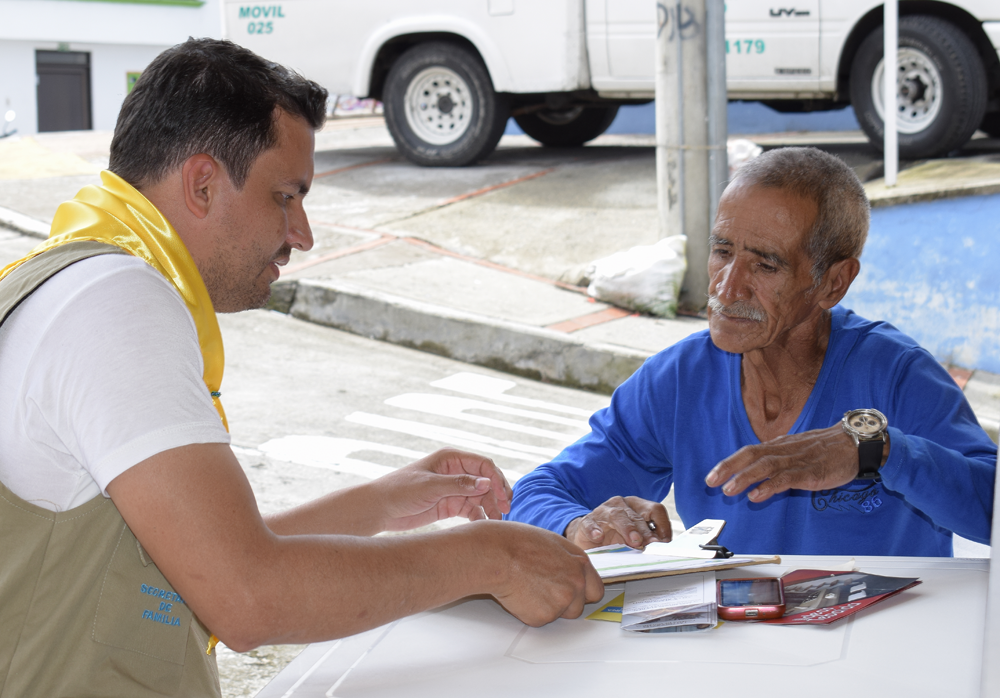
(867, 428)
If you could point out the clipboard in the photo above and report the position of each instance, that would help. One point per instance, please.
(693, 550)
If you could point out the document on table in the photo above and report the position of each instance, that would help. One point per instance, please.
(621, 563)
(670, 604)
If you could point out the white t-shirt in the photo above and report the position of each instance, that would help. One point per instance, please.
(100, 369)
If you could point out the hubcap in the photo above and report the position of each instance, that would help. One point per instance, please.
(438, 105)
(918, 91)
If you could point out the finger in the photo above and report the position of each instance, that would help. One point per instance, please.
(594, 585)
(492, 508)
(659, 519)
(505, 493)
(502, 491)
(764, 468)
(589, 533)
(477, 514)
(655, 515)
(592, 533)
(452, 495)
(485, 467)
(469, 485)
(728, 467)
(630, 525)
(575, 607)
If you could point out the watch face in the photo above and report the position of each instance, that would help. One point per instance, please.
(865, 424)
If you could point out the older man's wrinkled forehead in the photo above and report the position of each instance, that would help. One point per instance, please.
(764, 213)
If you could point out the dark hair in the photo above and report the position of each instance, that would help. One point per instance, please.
(841, 225)
(207, 96)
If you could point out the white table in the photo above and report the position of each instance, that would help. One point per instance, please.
(924, 642)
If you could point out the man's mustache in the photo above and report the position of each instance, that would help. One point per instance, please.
(740, 309)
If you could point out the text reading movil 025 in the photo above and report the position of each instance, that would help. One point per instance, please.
(261, 17)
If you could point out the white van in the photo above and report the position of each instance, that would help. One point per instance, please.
(450, 72)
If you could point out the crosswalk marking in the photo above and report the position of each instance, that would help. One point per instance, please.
(495, 388)
(455, 437)
(459, 407)
(481, 401)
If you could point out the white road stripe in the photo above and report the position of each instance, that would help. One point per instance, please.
(456, 437)
(458, 408)
(494, 389)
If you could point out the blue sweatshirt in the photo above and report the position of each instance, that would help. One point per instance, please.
(682, 413)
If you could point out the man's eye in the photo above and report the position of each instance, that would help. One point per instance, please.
(766, 267)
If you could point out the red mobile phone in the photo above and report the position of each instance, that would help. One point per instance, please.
(756, 598)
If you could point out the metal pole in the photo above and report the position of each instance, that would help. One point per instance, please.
(718, 101)
(669, 165)
(890, 90)
(683, 145)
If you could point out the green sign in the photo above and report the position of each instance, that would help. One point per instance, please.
(130, 79)
(181, 3)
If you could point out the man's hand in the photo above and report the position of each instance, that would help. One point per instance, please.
(546, 577)
(814, 460)
(444, 484)
(621, 520)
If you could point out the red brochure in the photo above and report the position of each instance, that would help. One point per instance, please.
(820, 597)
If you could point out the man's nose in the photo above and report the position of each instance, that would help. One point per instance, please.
(299, 233)
(732, 282)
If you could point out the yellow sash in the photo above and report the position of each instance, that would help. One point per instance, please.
(117, 214)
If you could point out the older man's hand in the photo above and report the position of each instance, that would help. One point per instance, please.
(814, 460)
(632, 521)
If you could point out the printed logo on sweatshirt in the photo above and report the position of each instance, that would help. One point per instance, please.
(865, 497)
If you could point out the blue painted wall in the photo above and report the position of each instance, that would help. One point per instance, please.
(744, 117)
(931, 269)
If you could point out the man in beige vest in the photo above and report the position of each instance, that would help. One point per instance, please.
(128, 532)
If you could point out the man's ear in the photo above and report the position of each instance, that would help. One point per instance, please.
(837, 280)
(201, 175)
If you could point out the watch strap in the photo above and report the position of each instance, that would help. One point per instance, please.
(869, 459)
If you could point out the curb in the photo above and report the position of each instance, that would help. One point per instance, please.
(523, 350)
(23, 224)
(883, 198)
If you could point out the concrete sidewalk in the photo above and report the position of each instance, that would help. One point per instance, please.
(477, 264)
(406, 291)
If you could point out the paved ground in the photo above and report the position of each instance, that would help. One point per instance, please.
(477, 264)
(481, 263)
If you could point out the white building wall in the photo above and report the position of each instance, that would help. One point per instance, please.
(121, 37)
(17, 84)
(109, 65)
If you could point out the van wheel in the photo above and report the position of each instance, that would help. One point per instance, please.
(563, 128)
(941, 87)
(440, 106)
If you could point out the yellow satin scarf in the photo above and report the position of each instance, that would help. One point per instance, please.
(117, 214)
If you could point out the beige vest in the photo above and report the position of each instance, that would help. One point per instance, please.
(84, 612)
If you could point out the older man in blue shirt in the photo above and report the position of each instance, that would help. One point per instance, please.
(808, 428)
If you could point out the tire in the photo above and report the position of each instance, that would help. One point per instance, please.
(440, 106)
(565, 128)
(991, 124)
(942, 87)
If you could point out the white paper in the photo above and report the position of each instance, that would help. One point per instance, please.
(665, 602)
(613, 561)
